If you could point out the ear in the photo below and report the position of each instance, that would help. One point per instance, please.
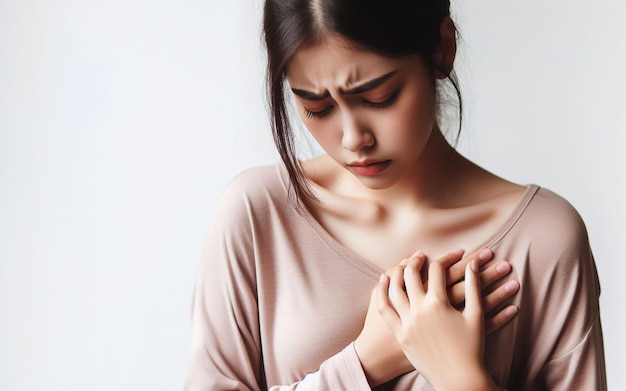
(446, 52)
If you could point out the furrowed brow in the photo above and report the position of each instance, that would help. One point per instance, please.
(369, 85)
(308, 95)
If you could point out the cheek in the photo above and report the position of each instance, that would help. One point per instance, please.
(412, 120)
(319, 129)
(408, 131)
(324, 133)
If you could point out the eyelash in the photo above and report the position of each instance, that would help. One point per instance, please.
(377, 105)
(317, 114)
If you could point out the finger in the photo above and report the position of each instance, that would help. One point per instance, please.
(489, 276)
(456, 271)
(449, 260)
(473, 301)
(500, 295)
(500, 319)
(437, 281)
(493, 273)
(413, 277)
(396, 292)
(384, 306)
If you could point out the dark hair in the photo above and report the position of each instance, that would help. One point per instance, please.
(393, 28)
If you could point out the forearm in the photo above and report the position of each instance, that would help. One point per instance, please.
(339, 372)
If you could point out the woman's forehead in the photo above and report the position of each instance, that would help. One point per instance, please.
(334, 63)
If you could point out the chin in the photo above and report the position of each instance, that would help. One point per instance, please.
(376, 182)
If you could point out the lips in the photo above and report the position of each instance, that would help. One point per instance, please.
(369, 167)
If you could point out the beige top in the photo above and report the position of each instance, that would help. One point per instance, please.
(278, 301)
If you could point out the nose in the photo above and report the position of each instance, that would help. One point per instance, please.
(356, 135)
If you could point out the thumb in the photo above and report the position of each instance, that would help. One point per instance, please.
(473, 301)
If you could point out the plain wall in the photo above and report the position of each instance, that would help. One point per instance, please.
(122, 121)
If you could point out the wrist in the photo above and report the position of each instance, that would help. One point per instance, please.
(470, 380)
(379, 366)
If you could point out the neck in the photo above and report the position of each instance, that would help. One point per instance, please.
(430, 182)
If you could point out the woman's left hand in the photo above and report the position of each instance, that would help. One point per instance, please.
(444, 345)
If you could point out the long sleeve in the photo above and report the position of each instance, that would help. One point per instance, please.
(583, 367)
(227, 349)
(569, 306)
(555, 341)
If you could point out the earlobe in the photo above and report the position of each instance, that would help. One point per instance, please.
(446, 53)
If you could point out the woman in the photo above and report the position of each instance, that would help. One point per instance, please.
(291, 292)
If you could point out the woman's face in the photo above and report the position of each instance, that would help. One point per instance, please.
(372, 114)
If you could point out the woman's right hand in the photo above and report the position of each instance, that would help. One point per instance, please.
(381, 356)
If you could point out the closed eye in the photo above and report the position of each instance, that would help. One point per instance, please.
(317, 114)
(310, 114)
(385, 103)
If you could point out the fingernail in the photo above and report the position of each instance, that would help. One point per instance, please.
(484, 255)
(510, 311)
(511, 286)
(474, 266)
(404, 262)
(382, 278)
(503, 267)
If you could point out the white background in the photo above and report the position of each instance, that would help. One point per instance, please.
(122, 121)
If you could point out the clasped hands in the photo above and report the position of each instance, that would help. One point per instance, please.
(434, 322)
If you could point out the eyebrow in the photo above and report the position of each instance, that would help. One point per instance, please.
(369, 85)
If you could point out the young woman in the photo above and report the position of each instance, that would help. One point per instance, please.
(340, 272)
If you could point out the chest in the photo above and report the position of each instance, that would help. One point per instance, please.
(386, 242)
(310, 310)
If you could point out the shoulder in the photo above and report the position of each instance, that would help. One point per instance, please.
(553, 234)
(250, 200)
(256, 184)
(255, 180)
(546, 233)
(253, 192)
(553, 217)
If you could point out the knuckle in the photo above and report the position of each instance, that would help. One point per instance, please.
(490, 302)
(405, 338)
(398, 269)
(409, 267)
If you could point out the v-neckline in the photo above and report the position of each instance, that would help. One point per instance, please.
(374, 270)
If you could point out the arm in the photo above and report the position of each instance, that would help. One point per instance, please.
(555, 342)
(226, 348)
(571, 292)
(582, 368)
